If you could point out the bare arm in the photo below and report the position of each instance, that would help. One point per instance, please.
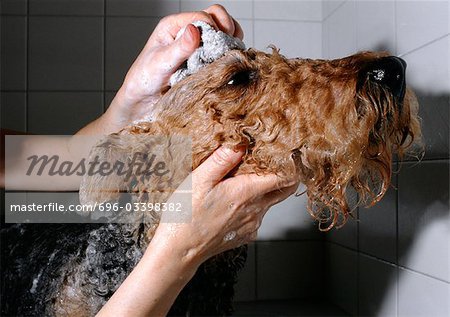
(161, 56)
(219, 207)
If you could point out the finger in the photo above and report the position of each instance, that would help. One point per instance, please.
(254, 185)
(238, 31)
(276, 196)
(222, 18)
(176, 53)
(213, 170)
(172, 24)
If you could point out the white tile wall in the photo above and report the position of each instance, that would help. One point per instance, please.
(13, 53)
(13, 7)
(305, 10)
(428, 68)
(70, 111)
(375, 25)
(419, 295)
(66, 53)
(288, 269)
(420, 22)
(342, 31)
(14, 111)
(329, 6)
(424, 218)
(377, 287)
(125, 38)
(378, 227)
(295, 39)
(151, 8)
(417, 225)
(66, 7)
(239, 9)
(347, 235)
(342, 277)
(289, 220)
(247, 27)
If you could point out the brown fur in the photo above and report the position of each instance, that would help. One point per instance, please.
(298, 118)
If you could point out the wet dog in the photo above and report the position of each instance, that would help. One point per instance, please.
(333, 125)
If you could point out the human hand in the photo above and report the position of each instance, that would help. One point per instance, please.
(148, 77)
(226, 213)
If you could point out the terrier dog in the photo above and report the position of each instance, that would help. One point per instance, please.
(334, 125)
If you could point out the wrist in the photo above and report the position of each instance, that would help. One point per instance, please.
(170, 246)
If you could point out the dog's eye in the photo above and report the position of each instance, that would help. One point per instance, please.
(241, 78)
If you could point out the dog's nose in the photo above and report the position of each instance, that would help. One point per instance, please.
(388, 72)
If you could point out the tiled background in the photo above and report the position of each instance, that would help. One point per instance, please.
(63, 60)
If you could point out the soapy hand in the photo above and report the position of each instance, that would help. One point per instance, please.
(148, 77)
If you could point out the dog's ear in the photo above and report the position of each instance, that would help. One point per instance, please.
(389, 72)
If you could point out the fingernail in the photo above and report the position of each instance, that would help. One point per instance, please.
(189, 34)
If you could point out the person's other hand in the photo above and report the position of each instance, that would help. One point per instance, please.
(148, 77)
(226, 213)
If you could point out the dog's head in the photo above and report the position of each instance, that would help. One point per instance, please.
(333, 124)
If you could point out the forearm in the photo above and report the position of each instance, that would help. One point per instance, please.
(154, 284)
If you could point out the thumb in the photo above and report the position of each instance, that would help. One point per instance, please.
(183, 47)
(214, 169)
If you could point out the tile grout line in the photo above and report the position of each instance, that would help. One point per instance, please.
(334, 11)
(423, 45)
(389, 263)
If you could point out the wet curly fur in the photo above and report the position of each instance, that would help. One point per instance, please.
(333, 125)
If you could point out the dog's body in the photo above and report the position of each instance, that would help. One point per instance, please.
(331, 124)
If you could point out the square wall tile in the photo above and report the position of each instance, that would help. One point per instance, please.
(424, 218)
(330, 6)
(13, 7)
(378, 226)
(239, 9)
(125, 38)
(347, 235)
(419, 22)
(342, 277)
(152, 8)
(289, 269)
(325, 39)
(66, 7)
(289, 220)
(377, 288)
(14, 53)
(289, 10)
(62, 112)
(294, 39)
(247, 27)
(13, 111)
(245, 288)
(65, 53)
(342, 31)
(428, 68)
(376, 25)
(434, 111)
(420, 295)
